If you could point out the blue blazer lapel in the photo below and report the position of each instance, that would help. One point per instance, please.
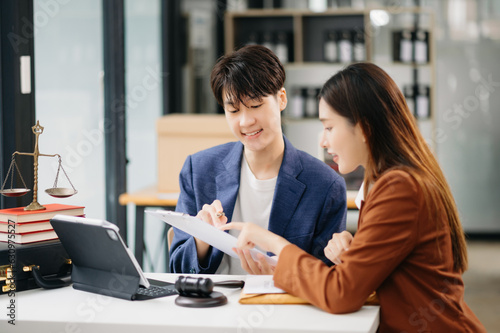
(228, 180)
(288, 191)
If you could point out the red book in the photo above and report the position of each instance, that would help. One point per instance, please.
(29, 237)
(22, 228)
(19, 215)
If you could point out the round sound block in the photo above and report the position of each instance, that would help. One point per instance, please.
(214, 299)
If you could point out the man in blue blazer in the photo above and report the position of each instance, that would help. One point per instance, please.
(261, 179)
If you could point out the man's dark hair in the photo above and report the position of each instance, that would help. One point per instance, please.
(253, 71)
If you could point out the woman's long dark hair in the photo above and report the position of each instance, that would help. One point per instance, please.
(365, 94)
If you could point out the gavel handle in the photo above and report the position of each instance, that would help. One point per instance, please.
(230, 284)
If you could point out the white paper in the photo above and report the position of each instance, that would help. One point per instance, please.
(204, 231)
(261, 284)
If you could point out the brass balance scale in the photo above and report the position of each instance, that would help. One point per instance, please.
(57, 192)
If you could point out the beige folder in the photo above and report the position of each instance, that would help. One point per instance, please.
(289, 299)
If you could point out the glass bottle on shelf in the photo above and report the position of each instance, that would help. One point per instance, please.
(330, 51)
(344, 3)
(253, 38)
(421, 47)
(268, 4)
(406, 46)
(332, 4)
(423, 105)
(358, 4)
(281, 47)
(408, 92)
(345, 47)
(359, 46)
(267, 40)
(237, 5)
(297, 106)
(311, 105)
(318, 5)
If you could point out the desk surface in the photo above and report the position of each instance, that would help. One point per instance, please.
(151, 197)
(70, 310)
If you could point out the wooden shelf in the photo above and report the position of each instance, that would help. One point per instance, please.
(303, 25)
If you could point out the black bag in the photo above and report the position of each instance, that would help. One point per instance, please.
(28, 266)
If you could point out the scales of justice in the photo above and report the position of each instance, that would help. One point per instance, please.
(58, 192)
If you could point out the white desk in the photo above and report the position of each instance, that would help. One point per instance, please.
(74, 311)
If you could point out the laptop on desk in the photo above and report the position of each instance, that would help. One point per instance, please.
(102, 263)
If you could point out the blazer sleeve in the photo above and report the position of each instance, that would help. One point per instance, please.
(385, 237)
(332, 219)
(183, 255)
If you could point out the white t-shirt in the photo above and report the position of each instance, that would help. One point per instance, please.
(253, 204)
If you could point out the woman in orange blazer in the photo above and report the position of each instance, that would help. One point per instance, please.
(409, 246)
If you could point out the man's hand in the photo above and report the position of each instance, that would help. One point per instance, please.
(214, 215)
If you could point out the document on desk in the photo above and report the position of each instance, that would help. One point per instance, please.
(204, 231)
(260, 289)
(261, 284)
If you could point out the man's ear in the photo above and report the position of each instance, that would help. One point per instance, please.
(282, 98)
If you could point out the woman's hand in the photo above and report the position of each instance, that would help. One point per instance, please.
(252, 235)
(214, 215)
(339, 243)
(254, 267)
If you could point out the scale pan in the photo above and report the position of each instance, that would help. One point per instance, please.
(60, 192)
(15, 192)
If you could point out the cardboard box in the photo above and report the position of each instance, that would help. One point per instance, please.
(180, 135)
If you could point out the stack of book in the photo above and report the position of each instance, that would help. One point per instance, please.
(21, 227)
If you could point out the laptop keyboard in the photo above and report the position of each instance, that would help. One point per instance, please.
(154, 292)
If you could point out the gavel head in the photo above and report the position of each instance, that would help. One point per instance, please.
(191, 286)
